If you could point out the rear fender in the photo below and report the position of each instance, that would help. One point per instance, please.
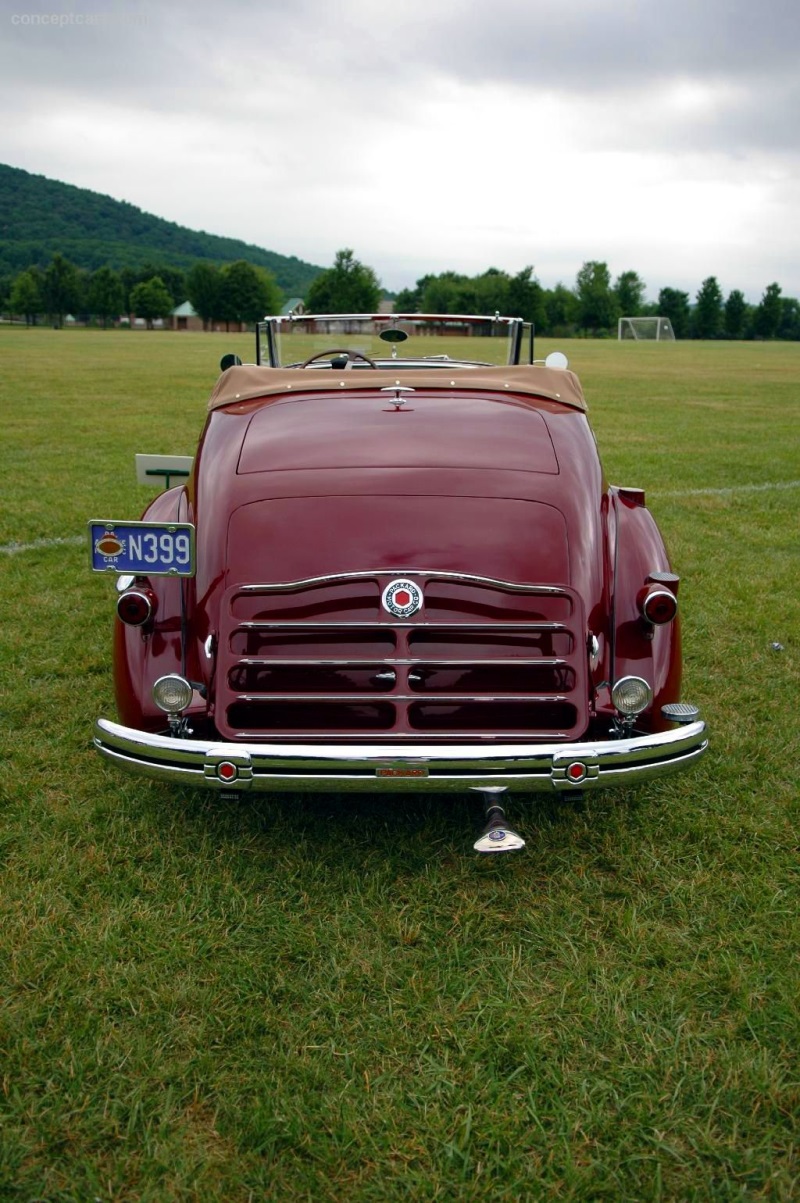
(640, 649)
(143, 654)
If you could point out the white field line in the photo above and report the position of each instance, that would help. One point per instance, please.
(728, 492)
(13, 549)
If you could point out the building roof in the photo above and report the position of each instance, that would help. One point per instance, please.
(187, 309)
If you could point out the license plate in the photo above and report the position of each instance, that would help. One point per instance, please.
(402, 771)
(142, 548)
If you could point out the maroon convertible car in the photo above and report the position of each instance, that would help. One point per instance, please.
(395, 563)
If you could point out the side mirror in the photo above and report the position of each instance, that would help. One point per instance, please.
(228, 361)
(556, 359)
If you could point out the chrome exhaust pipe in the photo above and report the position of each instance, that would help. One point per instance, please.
(496, 836)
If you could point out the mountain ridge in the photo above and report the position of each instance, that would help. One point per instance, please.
(40, 216)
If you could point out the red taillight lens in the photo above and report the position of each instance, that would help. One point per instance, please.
(135, 607)
(658, 606)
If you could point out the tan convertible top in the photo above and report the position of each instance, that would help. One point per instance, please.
(248, 381)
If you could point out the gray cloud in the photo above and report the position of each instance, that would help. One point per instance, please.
(307, 126)
(590, 45)
(195, 56)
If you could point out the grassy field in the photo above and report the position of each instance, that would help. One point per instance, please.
(332, 998)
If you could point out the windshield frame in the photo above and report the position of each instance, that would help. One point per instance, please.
(518, 333)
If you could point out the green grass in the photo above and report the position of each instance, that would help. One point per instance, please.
(331, 998)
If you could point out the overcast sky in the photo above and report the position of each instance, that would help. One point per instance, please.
(431, 134)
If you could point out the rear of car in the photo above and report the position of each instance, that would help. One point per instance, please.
(408, 576)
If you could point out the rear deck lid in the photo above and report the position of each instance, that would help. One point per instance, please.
(294, 538)
(370, 429)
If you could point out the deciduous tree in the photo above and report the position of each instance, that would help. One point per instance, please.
(61, 289)
(768, 314)
(490, 292)
(629, 291)
(409, 300)
(106, 294)
(598, 308)
(526, 298)
(173, 279)
(248, 293)
(736, 315)
(151, 300)
(790, 319)
(446, 293)
(204, 288)
(675, 305)
(561, 307)
(347, 287)
(707, 315)
(26, 296)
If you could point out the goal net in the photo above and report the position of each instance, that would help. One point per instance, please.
(653, 329)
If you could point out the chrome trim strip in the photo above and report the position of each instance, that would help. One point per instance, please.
(388, 695)
(416, 662)
(432, 575)
(380, 628)
(308, 766)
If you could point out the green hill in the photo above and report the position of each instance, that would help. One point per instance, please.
(39, 216)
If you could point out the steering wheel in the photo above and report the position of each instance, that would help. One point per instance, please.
(351, 357)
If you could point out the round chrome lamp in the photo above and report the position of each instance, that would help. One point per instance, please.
(172, 694)
(631, 695)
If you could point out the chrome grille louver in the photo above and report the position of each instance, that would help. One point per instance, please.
(323, 659)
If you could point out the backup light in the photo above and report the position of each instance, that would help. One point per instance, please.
(172, 693)
(631, 695)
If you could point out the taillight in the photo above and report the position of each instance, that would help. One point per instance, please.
(657, 606)
(135, 607)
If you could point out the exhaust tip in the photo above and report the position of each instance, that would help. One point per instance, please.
(499, 839)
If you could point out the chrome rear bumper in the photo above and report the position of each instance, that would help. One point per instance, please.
(368, 767)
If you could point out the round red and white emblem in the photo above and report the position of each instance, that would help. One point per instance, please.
(402, 598)
(109, 544)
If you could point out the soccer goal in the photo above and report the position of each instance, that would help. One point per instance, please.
(654, 329)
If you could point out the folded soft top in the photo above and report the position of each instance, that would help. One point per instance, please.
(248, 381)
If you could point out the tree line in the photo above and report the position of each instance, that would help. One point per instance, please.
(243, 293)
(591, 308)
(239, 292)
(595, 304)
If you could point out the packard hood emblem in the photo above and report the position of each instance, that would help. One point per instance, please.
(402, 598)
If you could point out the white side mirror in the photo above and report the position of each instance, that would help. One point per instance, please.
(556, 359)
